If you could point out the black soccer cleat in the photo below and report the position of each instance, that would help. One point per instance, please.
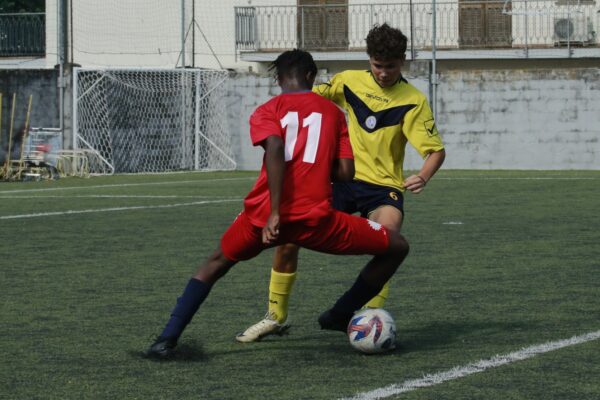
(162, 348)
(333, 321)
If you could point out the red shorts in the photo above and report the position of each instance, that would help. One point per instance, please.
(338, 233)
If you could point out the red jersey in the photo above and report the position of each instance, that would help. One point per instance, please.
(314, 133)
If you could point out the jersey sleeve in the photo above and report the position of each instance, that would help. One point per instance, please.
(344, 146)
(420, 130)
(264, 123)
(333, 89)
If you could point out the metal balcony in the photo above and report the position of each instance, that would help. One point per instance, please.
(22, 34)
(464, 29)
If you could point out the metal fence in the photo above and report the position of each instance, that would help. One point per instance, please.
(459, 25)
(23, 34)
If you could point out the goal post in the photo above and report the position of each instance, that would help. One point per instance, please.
(143, 120)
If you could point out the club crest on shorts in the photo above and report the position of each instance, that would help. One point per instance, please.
(371, 121)
(376, 226)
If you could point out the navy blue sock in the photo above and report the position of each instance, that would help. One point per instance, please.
(357, 296)
(194, 294)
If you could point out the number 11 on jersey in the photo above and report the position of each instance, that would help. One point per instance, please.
(290, 123)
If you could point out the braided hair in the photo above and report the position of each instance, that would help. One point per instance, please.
(296, 64)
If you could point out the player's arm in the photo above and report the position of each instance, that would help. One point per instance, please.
(433, 162)
(343, 166)
(343, 170)
(332, 90)
(421, 131)
(275, 167)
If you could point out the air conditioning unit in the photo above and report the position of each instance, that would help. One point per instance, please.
(575, 29)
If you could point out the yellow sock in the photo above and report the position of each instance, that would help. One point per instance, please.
(280, 288)
(379, 300)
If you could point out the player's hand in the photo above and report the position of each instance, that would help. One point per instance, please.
(270, 232)
(414, 183)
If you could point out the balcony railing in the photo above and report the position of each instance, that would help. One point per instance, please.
(22, 34)
(459, 25)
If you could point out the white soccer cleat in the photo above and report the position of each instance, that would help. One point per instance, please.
(265, 327)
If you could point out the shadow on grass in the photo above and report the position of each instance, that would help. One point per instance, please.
(191, 351)
(443, 333)
(312, 345)
(423, 338)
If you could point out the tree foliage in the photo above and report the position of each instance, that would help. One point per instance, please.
(18, 6)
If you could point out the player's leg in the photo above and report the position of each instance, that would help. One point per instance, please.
(346, 234)
(369, 282)
(283, 275)
(194, 294)
(241, 241)
(391, 217)
(371, 201)
(379, 300)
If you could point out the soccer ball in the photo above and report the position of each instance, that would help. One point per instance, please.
(372, 330)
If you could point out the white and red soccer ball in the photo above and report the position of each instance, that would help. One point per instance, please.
(372, 330)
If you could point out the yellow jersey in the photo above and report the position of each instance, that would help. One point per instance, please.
(380, 123)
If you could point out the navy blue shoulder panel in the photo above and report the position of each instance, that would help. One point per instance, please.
(371, 120)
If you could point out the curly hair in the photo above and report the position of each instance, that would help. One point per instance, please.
(293, 64)
(386, 43)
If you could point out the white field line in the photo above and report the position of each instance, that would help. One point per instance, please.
(517, 178)
(474, 178)
(112, 209)
(470, 369)
(126, 185)
(105, 196)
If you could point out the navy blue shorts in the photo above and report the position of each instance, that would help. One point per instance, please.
(363, 197)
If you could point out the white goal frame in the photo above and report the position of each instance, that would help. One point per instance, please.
(202, 130)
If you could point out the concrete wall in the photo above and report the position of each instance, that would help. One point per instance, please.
(509, 118)
(245, 93)
(518, 118)
(41, 85)
(525, 119)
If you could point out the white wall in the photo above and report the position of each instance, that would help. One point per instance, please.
(148, 32)
(217, 22)
(134, 33)
(51, 33)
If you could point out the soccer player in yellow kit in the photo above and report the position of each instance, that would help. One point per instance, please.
(384, 113)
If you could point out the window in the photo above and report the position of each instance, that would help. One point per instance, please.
(482, 24)
(323, 24)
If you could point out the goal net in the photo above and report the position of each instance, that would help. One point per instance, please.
(125, 33)
(151, 120)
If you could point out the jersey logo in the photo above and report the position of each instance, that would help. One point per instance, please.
(430, 127)
(371, 120)
(375, 225)
(378, 98)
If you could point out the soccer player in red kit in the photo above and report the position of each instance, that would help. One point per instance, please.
(306, 144)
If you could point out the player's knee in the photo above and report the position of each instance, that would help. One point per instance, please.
(288, 251)
(286, 258)
(214, 268)
(398, 246)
